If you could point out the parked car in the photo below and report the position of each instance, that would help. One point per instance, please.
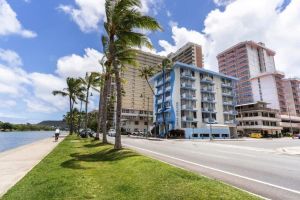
(112, 133)
(295, 136)
(256, 135)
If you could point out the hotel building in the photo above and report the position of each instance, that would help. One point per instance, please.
(246, 60)
(190, 54)
(137, 103)
(253, 63)
(191, 98)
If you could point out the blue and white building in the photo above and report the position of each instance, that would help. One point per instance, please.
(199, 101)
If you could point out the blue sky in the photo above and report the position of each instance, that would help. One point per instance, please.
(42, 42)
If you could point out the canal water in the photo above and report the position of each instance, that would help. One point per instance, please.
(11, 140)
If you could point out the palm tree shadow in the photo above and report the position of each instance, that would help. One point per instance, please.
(105, 155)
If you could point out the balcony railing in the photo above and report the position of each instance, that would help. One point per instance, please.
(227, 93)
(227, 85)
(187, 96)
(187, 118)
(209, 121)
(208, 110)
(207, 89)
(187, 107)
(230, 112)
(187, 85)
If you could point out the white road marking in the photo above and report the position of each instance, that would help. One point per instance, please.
(218, 170)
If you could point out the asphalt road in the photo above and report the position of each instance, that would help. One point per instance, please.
(253, 165)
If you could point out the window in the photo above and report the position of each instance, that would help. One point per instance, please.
(195, 135)
(136, 123)
(145, 123)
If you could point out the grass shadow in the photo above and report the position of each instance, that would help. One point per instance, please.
(95, 144)
(104, 155)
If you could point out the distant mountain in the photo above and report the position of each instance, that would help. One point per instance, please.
(53, 123)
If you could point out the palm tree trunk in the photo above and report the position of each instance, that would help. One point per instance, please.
(71, 117)
(118, 144)
(106, 90)
(97, 137)
(86, 107)
(79, 120)
(150, 86)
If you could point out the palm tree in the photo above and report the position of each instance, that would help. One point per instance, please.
(81, 99)
(90, 81)
(145, 73)
(73, 90)
(123, 20)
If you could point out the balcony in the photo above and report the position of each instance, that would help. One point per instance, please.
(228, 103)
(187, 107)
(227, 85)
(230, 112)
(208, 99)
(208, 110)
(188, 96)
(188, 118)
(159, 83)
(207, 90)
(207, 81)
(228, 94)
(168, 88)
(187, 86)
(168, 98)
(230, 122)
(209, 121)
(187, 75)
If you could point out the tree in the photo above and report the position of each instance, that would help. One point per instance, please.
(7, 126)
(73, 91)
(90, 81)
(123, 20)
(145, 73)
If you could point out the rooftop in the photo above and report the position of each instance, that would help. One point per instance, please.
(260, 44)
(195, 68)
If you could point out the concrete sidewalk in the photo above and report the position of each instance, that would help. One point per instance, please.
(16, 163)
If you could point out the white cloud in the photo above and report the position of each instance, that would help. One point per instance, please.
(223, 2)
(22, 92)
(34, 105)
(12, 77)
(180, 37)
(10, 57)
(10, 24)
(76, 65)
(44, 84)
(8, 103)
(87, 14)
(258, 20)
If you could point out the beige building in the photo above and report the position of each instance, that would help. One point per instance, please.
(137, 104)
(258, 118)
(190, 54)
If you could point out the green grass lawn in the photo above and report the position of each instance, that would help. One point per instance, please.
(86, 169)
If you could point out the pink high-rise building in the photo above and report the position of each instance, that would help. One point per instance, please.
(253, 63)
